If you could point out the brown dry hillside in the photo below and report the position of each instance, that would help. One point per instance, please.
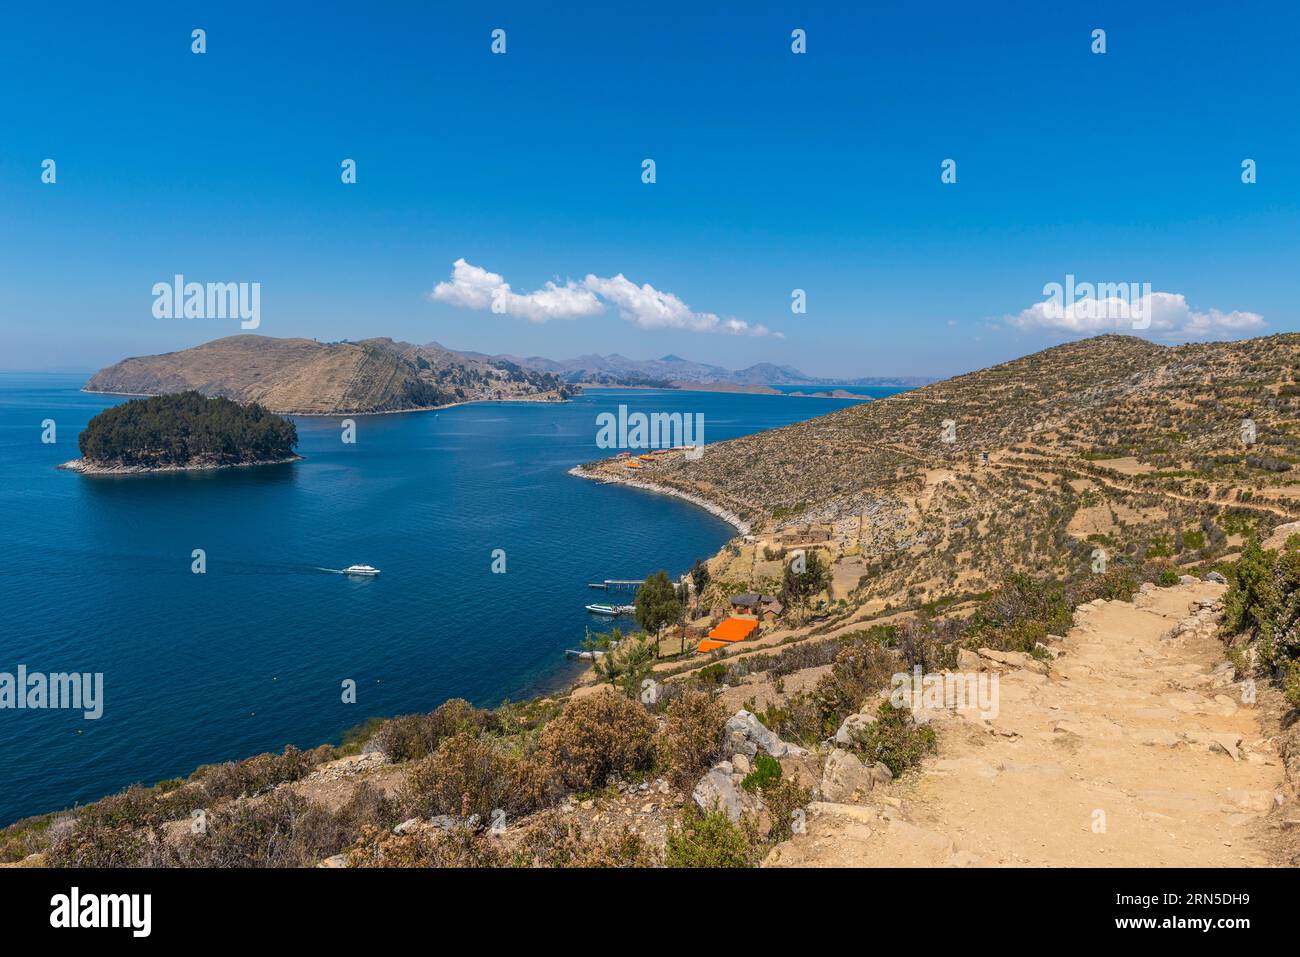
(1110, 443)
(309, 377)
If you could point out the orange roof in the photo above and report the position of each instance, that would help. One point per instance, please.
(632, 464)
(734, 629)
(704, 647)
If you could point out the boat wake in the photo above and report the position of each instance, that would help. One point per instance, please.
(352, 571)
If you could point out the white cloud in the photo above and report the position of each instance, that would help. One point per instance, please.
(1119, 309)
(472, 287)
(649, 308)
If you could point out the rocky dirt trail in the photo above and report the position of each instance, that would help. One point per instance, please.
(1133, 748)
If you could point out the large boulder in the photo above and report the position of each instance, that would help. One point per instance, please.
(717, 790)
(746, 735)
(1014, 659)
(853, 724)
(845, 777)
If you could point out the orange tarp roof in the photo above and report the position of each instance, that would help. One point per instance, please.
(704, 647)
(734, 629)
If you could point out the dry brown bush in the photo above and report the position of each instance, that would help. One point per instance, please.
(554, 840)
(467, 775)
(414, 736)
(595, 737)
(691, 737)
(456, 847)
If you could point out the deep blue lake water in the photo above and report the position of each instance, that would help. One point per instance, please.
(250, 656)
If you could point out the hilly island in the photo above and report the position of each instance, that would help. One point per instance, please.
(305, 377)
(182, 431)
(1106, 532)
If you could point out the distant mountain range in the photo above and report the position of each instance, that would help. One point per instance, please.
(620, 370)
(380, 375)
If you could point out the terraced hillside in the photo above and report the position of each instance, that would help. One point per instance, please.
(1112, 444)
(308, 377)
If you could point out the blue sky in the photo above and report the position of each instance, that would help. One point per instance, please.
(774, 171)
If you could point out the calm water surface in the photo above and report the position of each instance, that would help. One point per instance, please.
(251, 655)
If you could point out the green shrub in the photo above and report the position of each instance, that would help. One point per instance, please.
(710, 676)
(1291, 683)
(1021, 611)
(355, 738)
(699, 839)
(766, 771)
(1264, 600)
(894, 739)
(29, 836)
(859, 671)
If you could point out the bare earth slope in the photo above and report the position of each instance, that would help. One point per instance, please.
(1179, 411)
(1110, 443)
(1147, 730)
(308, 377)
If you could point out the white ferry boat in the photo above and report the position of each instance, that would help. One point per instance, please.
(612, 611)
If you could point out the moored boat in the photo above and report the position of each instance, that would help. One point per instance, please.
(612, 611)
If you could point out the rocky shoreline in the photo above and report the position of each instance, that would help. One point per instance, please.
(731, 518)
(83, 467)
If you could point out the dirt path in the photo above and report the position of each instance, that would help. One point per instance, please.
(1134, 750)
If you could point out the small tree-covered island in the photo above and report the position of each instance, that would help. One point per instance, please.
(183, 431)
